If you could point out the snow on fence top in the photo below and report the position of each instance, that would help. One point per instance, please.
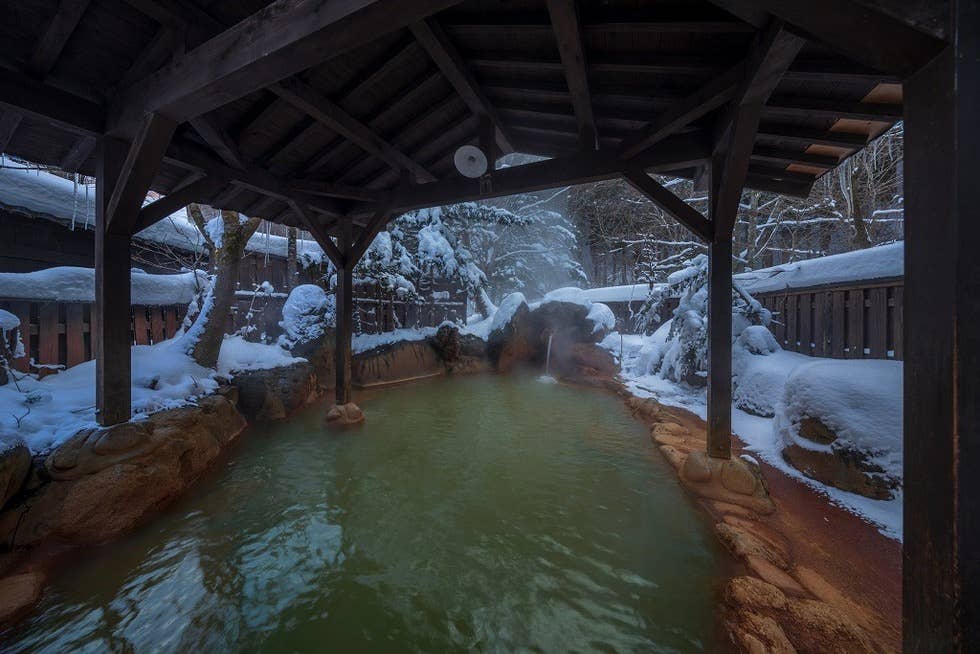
(73, 284)
(41, 193)
(882, 262)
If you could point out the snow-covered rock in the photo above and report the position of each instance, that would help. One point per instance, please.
(841, 422)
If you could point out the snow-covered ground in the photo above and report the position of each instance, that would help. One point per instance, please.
(764, 437)
(43, 413)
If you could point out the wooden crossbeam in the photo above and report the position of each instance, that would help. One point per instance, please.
(152, 57)
(707, 98)
(853, 28)
(176, 14)
(823, 108)
(257, 179)
(442, 51)
(319, 233)
(680, 151)
(804, 135)
(218, 140)
(53, 41)
(278, 41)
(771, 55)
(681, 211)
(374, 226)
(29, 97)
(332, 190)
(308, 100)
(9, 122)
(142, 162)
(777, 155)
(201, 190)
(564, 20)
(78, 154)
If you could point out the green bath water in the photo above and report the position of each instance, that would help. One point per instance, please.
(491, 514)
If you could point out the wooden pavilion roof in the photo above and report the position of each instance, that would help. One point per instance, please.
(357, 106)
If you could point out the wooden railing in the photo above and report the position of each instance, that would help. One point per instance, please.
(862, 320)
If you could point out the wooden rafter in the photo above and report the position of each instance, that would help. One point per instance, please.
(803, 135)
(707, 98)
(68, 111)
(53, 41)
(799, 106)
(218, 140)
(770, 57)
(319, 233)
(778, 155)
(142, 162)
(859, 31)
(678, 152)
(332, 190)
(308, 100)
(200, 190)
(276, 42)
(9, 122)
(79, 152)
(442, 51)
(670, 203)
(564, 20)
(373, 227)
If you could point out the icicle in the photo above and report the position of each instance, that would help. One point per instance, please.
(74, 200)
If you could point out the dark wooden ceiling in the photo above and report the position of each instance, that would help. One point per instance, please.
(392, 109)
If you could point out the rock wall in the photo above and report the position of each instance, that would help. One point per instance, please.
(397, 362)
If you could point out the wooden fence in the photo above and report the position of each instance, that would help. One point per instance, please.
(60, 333)
(852, 321)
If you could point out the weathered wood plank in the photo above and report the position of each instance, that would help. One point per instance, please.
(805, 308)
(53, 41)
(877, 322)
(792, 333)
(564, 21)
(720, 347)
(143, 159)
(839, 335)
(898, 323)
(855, 324)
(47, 333)
(141, 326)
(75, 333)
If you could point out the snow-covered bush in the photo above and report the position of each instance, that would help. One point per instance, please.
(8, 323)
(683, 354)
(306, 314)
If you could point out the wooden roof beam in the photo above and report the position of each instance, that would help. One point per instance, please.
(308, 100)
(200, 190)
(141, 165)
(706, 99)
(853, 28)
(24, 95)
(332, 190)
(218, 140)
(806, 136)
(78, 154)
(53, 41)
(564, 20)
(280, 40)
(780, 156)
(681, 211)
(442, 51)
(678, 152)
(823, 108)
(9, 122)
(771, 55)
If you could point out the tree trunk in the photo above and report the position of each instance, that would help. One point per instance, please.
(214, 314)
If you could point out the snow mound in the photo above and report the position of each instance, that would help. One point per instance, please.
(757, 339)
(759, 380)
(860, 401)
(237, 354)
(74, 284)
(600, 315)
(506, 310)
(307, 312)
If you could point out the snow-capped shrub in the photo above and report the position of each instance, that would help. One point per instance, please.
(683, 356)
(308, 311)
(757, 339)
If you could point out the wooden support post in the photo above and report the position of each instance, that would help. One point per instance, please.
(345, 315)
(941, 570)
(112, 336)
(720, 346)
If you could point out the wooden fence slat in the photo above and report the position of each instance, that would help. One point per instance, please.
(22, 310)
(156, 324)
(74, 334)
(898, 313)
(47, 333)
(855, 324)
(877, 322)
(803, 303)
(792, 337)
(141, 326)
(837, 328)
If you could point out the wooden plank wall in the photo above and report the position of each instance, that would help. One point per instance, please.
(840, 322)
